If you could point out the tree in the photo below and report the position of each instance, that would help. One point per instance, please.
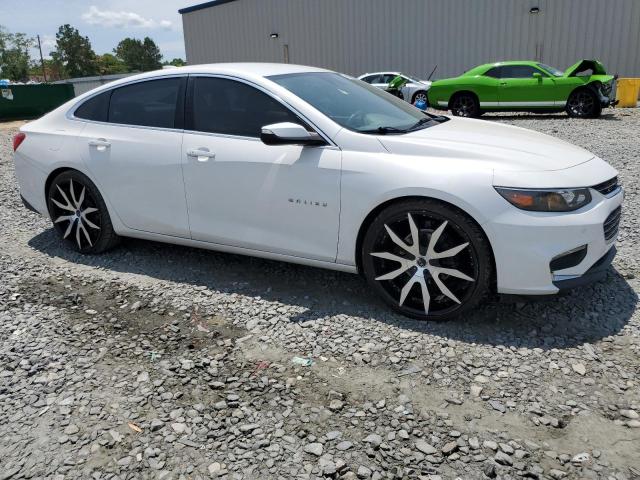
(14, 55)
(139, 55)
(176, 62)
(73, 53)
(109, 64)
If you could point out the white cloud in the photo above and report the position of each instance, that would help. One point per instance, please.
(122, 19)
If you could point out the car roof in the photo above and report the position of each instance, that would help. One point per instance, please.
(386, 72)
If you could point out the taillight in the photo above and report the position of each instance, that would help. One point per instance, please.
(18, 138)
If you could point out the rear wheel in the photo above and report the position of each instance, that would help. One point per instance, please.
(465, 105)
(79, 213)
(583, 103)
(427, 260)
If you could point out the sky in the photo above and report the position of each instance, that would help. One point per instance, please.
(105, 22)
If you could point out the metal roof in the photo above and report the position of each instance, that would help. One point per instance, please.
(200, 6)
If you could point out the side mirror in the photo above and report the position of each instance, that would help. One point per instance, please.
(288, 133)
(537, 75)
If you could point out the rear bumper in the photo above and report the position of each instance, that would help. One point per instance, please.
(595, 273)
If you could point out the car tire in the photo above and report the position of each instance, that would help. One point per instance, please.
(421, 94)
(465, 105)
(79, 214)
(455, 283)
(583, 103)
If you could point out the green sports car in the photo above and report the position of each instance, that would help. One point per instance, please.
(582, 89)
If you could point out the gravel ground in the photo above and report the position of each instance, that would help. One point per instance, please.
(159, 361)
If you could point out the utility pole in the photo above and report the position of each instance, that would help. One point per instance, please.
(44, 72)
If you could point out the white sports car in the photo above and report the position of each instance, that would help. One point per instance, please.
(413, 91)
(314, 167)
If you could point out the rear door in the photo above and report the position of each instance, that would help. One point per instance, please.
(520, 89)
(133, 153)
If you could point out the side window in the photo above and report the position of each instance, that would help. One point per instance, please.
(370, 78)
(96, 108)
(518, 71)
(150, 104)
(494, 72)
(386, 78)
(226, 106)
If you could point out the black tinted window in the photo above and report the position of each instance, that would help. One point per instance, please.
(518, 71)
(151, 103)
(96, 108)
(493, 72)
(234, 108)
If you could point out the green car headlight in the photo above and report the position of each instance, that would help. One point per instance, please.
(542, 200)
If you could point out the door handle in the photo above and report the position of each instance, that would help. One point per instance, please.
(101, 144)
(201, 155)
(503, 83)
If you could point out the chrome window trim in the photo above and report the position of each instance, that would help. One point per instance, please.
(282, 102)
(70, 114)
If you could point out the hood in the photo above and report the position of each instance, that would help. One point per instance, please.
(583, 65)
(502, 147)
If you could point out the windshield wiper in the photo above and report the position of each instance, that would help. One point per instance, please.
(419, 123)
(385, 130)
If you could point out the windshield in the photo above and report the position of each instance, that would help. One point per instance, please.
(354, 104)
(552, 70)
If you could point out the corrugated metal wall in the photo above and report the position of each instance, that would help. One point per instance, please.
(358, 36)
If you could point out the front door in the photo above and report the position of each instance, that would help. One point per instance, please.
(520, 89)
(240, 192)
(134, 155)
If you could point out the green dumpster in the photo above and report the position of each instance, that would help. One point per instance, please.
(32, 101)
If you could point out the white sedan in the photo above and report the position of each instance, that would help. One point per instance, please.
(314, 167)
(414, 91)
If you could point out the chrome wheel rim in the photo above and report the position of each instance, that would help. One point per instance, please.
(75, 214)
(463, 106)
(420, 97)
(425, 263)
(581, 104)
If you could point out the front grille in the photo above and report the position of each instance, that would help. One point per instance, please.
(610, 225)
(605, 188)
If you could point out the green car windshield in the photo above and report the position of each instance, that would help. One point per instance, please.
(552, 70)
(354, 104)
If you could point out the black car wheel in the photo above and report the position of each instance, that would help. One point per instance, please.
(465, 105)
(583, 103)
(427, 260)
(79, 213)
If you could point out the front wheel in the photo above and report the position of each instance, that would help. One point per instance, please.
(420, 96)
(583, 103)
(427, 260)
(465, 105)
(79, 213)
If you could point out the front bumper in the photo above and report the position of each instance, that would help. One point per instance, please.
(525, 244)
(596, 273)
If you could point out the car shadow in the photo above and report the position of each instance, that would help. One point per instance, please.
(582, 316)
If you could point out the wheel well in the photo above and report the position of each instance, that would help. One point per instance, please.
(590, 87)
(453, 96)
(50, 178)
(374, 213)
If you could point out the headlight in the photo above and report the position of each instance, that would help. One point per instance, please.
(553, 200)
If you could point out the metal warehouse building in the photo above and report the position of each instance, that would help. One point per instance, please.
(358, 36)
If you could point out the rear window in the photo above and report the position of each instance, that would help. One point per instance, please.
(96, 108)
(150, 104)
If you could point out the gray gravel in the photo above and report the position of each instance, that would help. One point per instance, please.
(159, 361)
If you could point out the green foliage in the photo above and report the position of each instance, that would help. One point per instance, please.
(176, 62)
(139, 55)
(110, 64)
(14, 55)
(73, 53)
